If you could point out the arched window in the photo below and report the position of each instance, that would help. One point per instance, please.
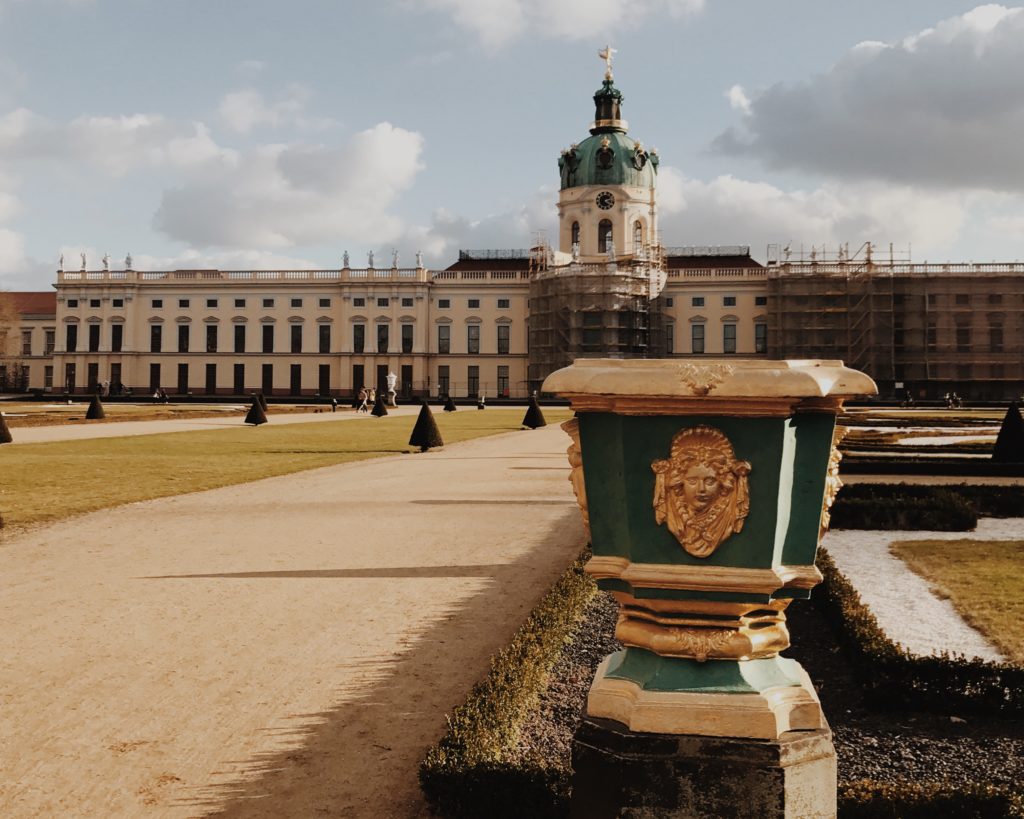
(575, 233)
(604, 235)
(638, 234)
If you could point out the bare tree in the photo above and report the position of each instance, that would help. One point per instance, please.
(11, 367)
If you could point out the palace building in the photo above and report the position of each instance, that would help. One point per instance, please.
(496, 322)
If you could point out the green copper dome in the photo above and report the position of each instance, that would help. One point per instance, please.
(608, 156)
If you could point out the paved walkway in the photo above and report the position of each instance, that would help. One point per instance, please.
(908, 611)
(285, 648)
(118, 429)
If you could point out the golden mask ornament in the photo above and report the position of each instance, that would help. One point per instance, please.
(701, 491)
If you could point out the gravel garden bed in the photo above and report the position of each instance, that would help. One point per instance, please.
(884, 746)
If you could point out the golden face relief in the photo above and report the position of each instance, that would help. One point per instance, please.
(701, 491)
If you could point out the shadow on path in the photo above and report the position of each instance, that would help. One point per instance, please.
(360, 759)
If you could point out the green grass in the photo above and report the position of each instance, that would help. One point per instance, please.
(982, 579)
(21, 414)
(45, 482)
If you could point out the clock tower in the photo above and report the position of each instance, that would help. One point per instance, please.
(598, 296)
(606, 204)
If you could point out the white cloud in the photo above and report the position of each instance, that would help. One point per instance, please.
(116, 144)
(727, 210)
(944, 107)
(499, 22)
(738, 99)
(12, 252)
(520, 227)
(246, 109)
(278, 196)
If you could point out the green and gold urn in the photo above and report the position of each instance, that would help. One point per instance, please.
(705, 488)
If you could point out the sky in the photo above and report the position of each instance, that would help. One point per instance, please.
(248, 134)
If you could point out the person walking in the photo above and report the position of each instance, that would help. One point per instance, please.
(363, 395)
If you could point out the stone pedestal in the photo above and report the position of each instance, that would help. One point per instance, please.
(622, 773)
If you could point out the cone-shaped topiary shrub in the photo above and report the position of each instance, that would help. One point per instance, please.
(263, 402)
(5, 432)
(379, 410)
(95, 412)
(449, 405)
(256, 415)
(425, 434)
(534, 417)
(1009, 448)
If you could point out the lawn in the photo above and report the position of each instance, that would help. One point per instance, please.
(982, 579)
(35, 413)
(45, 482)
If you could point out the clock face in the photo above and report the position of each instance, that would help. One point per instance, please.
(605, 200)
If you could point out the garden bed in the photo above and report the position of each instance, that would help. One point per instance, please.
(892, 763)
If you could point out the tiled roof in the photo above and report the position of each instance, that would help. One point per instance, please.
(490, 264)
(676, 262)
(32, 304)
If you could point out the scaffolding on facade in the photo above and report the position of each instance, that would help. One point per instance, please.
(923, 329)
(603, 310)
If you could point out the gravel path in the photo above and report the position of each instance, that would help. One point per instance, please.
(282, 648)
(907, 609)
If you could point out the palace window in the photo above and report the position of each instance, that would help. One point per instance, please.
(94, 338)
(444, 304)
(697, 338)
(504, 333)
(324, 336)
(239, 302)
(473, 304)
(638, 234)
(382, 337)
(760, 338)
(406, 338)
(239, 338)
(575, 233)
(156, 337)
(268, 338)
(296, 338)
(407, 302)
(211, 338)
(604, 235)
(358, 337)
(211, 302)
(504, 304)
(444, 338)
(473, 339)
(728, 338)
(182, 338)
(116, 338)
(71, 338)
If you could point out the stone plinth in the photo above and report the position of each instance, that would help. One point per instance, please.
(621, 773)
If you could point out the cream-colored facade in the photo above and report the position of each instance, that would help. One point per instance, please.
(300, 333)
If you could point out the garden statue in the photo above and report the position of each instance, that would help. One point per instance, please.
(344, 260)
(392, 379)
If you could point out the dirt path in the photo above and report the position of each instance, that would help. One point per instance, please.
(286, 648)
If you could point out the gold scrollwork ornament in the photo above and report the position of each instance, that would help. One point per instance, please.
(701, 491)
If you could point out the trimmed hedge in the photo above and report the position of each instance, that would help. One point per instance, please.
(930, 508)
(473, 770)
(476, 770)
(912, 800)
(894, 678)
